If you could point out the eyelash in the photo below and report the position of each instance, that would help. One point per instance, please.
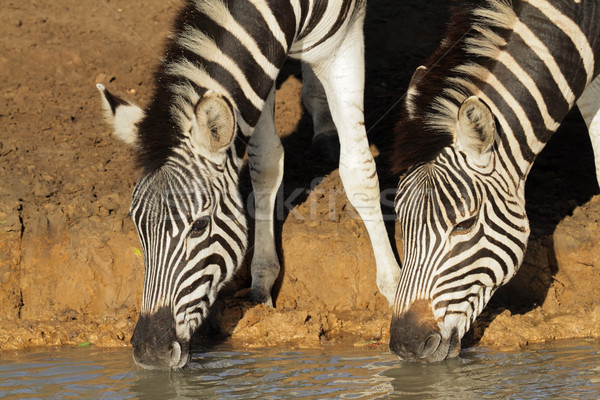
(464, 226)
(200, 225)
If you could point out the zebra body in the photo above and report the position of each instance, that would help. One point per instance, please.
(218, 74)
(476, 116)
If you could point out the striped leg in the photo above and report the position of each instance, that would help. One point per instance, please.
(266, 171)
(343, 81)
(589, 106)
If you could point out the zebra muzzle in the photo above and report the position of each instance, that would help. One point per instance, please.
(155, 342)
(415, 336)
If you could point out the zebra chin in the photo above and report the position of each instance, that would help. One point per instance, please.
(155, 342)
(416, 337)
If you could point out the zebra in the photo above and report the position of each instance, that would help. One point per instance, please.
(475, 117)
(218, 74)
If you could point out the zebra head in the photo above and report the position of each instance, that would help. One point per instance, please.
(464, 232)
(190, 221)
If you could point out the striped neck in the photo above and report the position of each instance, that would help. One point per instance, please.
(527, 60)
(538, 70)
(215, 46)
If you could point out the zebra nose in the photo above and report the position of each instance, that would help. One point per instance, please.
(415, 336)
(177, 358)
(155, 343)
(431, 344)
(414, 342)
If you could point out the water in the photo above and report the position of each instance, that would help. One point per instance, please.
(559, 371)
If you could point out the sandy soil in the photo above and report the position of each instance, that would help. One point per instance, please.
(70, 265)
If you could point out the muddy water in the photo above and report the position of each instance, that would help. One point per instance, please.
(563, 370)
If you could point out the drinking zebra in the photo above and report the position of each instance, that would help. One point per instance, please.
(218, 74)
(476, 116)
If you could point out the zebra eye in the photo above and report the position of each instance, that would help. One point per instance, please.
(199, 225)
(464, 226)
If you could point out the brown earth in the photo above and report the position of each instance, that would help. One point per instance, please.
(70, 266)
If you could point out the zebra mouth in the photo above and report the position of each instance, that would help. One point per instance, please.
(415, 339)
(179, 356)
(156, 344)
(436, 348)
(175, 357)
(448, 348)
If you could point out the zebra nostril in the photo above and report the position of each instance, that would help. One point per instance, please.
(454, 347)
(175, 354)
(431, 344)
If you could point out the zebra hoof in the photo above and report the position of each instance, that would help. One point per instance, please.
(257, 296)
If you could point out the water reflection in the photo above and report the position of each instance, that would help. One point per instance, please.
(270, 375)
(564, 370)
(65, 373)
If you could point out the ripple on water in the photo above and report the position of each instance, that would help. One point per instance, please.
(562, 370)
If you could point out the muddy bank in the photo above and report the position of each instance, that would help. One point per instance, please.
(554, 296)
(70, 266)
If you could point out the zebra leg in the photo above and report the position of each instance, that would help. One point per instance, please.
(325, 140)
(589, 106)
(343, 81)
(265, 154)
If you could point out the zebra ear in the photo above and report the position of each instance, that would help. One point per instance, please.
(122, 115)
(216, 121)
(418, 75)
(476, 130)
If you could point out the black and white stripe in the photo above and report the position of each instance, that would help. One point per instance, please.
(475, 122)
(236, 49)
(183, 220)
(218, 73)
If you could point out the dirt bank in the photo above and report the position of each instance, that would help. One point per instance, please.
(70, 265)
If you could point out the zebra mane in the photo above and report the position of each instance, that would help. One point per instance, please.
(474, 37)
(162, 127)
